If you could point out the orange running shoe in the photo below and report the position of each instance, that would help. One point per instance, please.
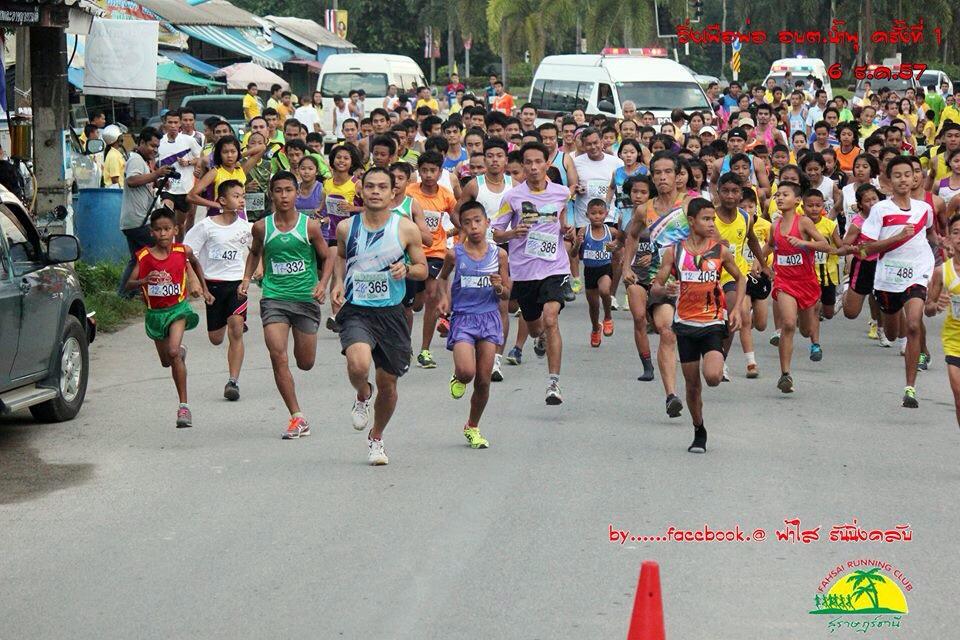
(608, 327)
(443, 327)
(298, 427)
(595, 338)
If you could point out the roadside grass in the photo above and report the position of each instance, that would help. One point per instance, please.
(99, 283)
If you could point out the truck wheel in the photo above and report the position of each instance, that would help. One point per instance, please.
(71, 373)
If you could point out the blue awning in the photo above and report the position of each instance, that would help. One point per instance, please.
(251, 43)
(297, 50)
(188, 61)
(75, 77)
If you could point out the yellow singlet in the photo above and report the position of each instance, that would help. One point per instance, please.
(735, 233)
(950, 336)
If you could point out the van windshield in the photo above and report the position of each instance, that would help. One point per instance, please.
(341, 84)
(899, 85)
(229, 107)
(663, 96)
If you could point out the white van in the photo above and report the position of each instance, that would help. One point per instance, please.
(372, 72)
(602, 83)
(799, 68)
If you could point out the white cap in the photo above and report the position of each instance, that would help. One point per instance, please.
(708, 129)
(110, 134)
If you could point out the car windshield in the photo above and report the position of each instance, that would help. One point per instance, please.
(229, 107)
(663, 96)
(341, 84)
(894, 84)
(930, 78)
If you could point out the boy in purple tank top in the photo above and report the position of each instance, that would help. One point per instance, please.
(480, 280)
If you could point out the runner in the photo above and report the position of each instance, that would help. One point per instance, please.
(735, 229)
(180, 151)
(435, 201)
(795, 286)
(827, 265)
(905, 265)
(480, 281)
(405, 206)
(945, 294)
(488, 190)
(531, 219)
(759, 282)
(700, 321)
(341, 201)
(376, 251)
(862, 268)
(289, 243)
(221, 243)
(640, 263)
(597, 255)
(161, 274)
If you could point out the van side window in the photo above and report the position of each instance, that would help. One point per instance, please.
(565, 95)
(536, 96)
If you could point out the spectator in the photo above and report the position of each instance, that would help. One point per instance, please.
(252, 107)
(115, 160)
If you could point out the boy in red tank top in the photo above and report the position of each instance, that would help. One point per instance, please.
(161, 274)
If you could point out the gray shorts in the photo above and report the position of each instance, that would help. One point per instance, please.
(384, 329)
(301, 315)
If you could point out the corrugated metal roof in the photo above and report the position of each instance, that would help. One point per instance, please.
(218, 13)
(308, 32)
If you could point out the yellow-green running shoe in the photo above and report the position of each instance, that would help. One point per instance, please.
(476, 440)
(577, 285)
(457, 388)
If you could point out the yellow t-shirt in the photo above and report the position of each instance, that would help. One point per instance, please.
(827, 265)
(113, 166)
(432, 103)
(224, 174)
(735, 233)
(950, 336)
(761, 229)
(251, 107)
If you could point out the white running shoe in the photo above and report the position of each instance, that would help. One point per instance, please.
(726, 373)
(882, 338)
(360, 414)
(497, 374)
(902, 343)
(614, 306)
(376, 456)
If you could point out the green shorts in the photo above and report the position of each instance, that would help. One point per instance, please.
(158, 321)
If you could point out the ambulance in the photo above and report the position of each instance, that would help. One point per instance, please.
(799, 68)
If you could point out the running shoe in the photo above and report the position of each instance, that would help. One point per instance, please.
(626, 301)
(232, 390)
(553, 393)
(910, 398)
(674, 406)
(816, 353)
(184, 418)
(360, 413)
(753, 371)
(873, 332)
(647, 374)
(497, 374)
(297, 428)
(540, 346)
(477, 441)
(924, 363)
(516, 314)
(183, 353)
(902, 342)
(425, 360)
(376, 456)
(882, 339)
(457, 388)
(595, 338)
(699, 444)
(332, 325)
(775, 339)
(608, 327)
(726, 373)
(515, 356)
(614, 305)
(785, 383)
(576, 285)
(443, 327)
(568, 294)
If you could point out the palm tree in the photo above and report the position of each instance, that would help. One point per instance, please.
(515, 26)
(869, 589)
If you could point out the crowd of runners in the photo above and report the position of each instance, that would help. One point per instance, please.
(703, 227)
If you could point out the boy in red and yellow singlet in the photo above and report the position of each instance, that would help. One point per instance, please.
(162, 276)
(700, 321)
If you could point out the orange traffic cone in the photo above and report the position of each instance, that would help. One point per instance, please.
(646, 623)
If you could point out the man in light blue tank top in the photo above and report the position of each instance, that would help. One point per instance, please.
(481, 279)
(376, 251)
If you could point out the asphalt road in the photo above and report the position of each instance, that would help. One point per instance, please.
(117, 525)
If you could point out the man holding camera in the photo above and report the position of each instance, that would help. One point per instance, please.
(180, 152)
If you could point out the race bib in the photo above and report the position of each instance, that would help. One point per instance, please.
(790, 260)
(370, 286)
(590, 254)
(163, 290)
(288, 268)
(490, 235)
(897, 273)
(699, 276)
(747, 254)
(475, 282)
(432, 218)
(333, 206)
(820, 257)
(221, 253)
(597, 189)
(542, 245)
(254, 202)
(955, 306)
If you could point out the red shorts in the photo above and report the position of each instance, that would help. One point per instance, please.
(806, 291)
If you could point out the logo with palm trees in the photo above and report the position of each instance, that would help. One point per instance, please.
(862, 592)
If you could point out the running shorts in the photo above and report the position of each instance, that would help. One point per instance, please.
(475, 327)
(893, 301)
(695, 342)
(861, 275)
(592, 275)
(828, 295)
(226, 303)
(384, 329)
(533, 294)
(302, 315)
(157, 321)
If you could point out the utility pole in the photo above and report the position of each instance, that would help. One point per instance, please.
(21, 97)
(576, 48)
(723, 47)
(48, 64)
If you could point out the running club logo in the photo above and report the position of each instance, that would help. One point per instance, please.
(862, 595)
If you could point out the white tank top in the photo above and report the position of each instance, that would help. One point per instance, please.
(826, 188)
(490, 200)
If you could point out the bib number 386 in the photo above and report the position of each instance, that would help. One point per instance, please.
(542, 245)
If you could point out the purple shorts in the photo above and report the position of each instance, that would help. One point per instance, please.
(475, 327)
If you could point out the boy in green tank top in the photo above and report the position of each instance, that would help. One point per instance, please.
(289, 243)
